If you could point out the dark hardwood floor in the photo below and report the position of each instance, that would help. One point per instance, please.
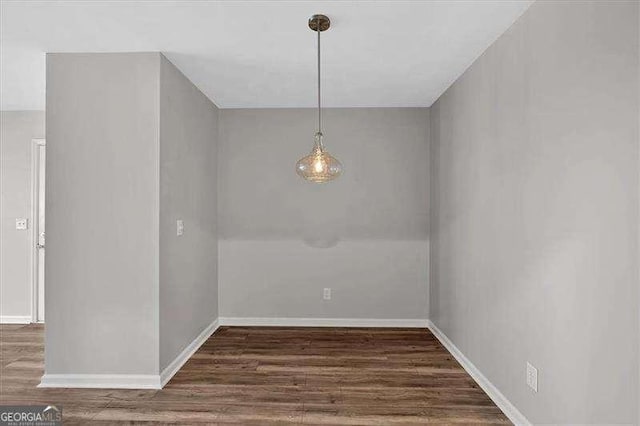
(272, 375)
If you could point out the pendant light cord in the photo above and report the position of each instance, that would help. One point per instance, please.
(319, 102)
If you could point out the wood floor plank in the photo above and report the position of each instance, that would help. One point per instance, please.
(272, 376)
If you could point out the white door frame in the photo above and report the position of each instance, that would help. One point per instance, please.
(35, 171)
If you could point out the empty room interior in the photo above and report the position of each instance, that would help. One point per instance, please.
(320, 212)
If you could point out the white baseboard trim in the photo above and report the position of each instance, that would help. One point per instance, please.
(129, 381)
(184, 356)
(102, 381)
(15, 319)
(500, 400)
(323, 322)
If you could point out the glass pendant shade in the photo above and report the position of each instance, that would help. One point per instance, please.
(319, 166)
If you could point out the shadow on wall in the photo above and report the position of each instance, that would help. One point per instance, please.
(319, 216)
(321, 241)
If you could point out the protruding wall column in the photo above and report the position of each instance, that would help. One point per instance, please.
(129, 141)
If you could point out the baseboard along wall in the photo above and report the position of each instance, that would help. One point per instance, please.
(184, 356)
(496, 396)
(129, 381)
(15, 319)
(101, 381)
(322, 322)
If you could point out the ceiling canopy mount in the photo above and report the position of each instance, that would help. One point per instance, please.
(319, 21)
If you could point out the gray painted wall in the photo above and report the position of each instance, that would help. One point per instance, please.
(282, 240)
(17, 128)
(534, 212)
(102, 213)
(188, 167)
(131, 148)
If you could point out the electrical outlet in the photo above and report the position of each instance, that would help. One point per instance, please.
(21, 224)
(326, 295)
(179, 227)
(532, 377)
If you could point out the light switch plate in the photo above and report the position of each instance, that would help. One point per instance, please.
(532, 377)
(179, 227)
(22, 224)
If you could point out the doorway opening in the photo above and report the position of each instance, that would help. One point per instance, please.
(38, 161)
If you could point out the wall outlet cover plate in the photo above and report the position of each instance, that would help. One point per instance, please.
(326, 294)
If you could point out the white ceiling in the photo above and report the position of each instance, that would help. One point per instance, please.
(245, 54)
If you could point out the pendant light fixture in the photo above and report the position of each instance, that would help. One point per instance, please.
(319, 166)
